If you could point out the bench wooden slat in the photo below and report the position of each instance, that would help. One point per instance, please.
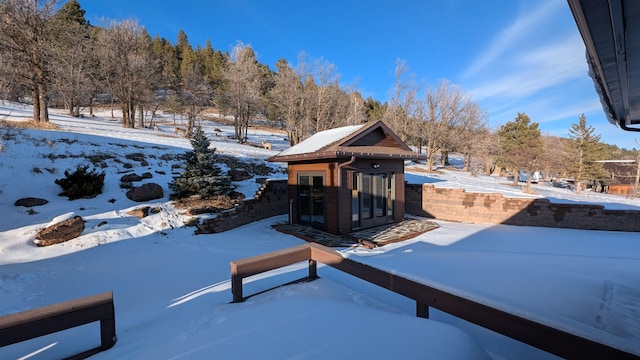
(274, 260)
(29, 324)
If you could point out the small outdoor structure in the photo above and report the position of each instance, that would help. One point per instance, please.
(347, 178)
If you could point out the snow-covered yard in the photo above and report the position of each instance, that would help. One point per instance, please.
(171, 287)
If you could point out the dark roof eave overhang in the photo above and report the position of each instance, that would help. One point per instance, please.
(344, 155)
(610, 40)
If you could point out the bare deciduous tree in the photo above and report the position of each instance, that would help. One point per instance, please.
(403, 103)
(196, 90)
(127, 65)
(442, 111)
(327, 92)
(553, 161)
(356, 109)
(242, 95)
(25, 47)
(72, 57)
(197, 95)
(287, 97)
(469, 137)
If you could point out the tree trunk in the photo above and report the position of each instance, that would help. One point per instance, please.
(467, 162)
(491, 168)
(430, 163)
(44, 104)
(444, 159)
(140, 116)
(191, 122)
(35, 99)
(430, 148)
(125, 115)
(132, 115)
(68, 104)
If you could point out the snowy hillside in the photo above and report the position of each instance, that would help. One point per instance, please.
(172, 292)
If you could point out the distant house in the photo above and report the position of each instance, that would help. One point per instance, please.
(622, 176)
(347, 178)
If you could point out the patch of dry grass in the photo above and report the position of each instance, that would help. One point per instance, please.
(28, 124)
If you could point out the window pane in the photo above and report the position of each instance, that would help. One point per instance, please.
(381, 195)
(304, 198)
(366, 197)
(390, 196)
(318, 200)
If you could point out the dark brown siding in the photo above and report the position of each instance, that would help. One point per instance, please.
(338, 196)
(399, 205)
(344, 203)
(376, 137)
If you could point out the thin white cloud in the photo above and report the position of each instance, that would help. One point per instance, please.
(535, 70)
(574, 112)
(511, 34)
(536, 65)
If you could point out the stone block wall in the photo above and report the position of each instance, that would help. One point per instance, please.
(458, 205)
(270, 200)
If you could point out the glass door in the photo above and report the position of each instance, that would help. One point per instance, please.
(311, 198)
(372, 199)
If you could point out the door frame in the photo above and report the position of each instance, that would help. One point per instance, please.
(375, 201)
(315, 199)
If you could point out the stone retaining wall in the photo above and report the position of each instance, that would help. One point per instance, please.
(270, 200)
(446, 204)
(458, 205)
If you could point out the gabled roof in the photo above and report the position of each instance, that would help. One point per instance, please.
(373, 140)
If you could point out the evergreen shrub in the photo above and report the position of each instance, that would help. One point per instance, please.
(81, 184)
(200, 174)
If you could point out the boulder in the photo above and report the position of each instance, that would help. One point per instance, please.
(60, 232)
(130, 178)
(31, 202)
(239, 174)
(142, 212)
(146, 192)
(235, 195)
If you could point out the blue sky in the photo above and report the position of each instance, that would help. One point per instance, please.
(512, 56)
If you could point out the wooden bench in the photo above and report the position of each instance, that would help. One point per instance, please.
(26, 325)
(553, 340)
(244, 268)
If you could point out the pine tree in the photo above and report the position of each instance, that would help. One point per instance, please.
(201, 175)
(374, 109)
(214, 63)
(72, 12)
(521, 144)
(583, 149)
